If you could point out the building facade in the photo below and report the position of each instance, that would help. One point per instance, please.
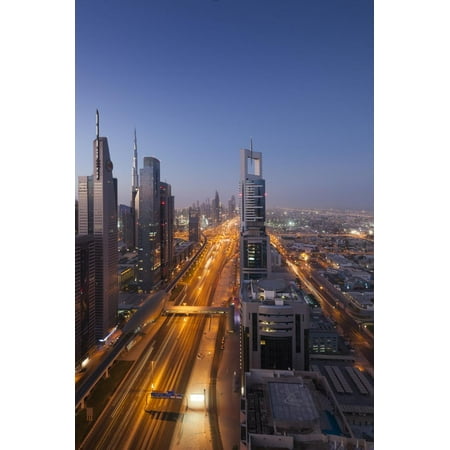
(254, 242)
(134, 204)
(194, 224)
(126, 226)
(84, 297)
(167, 214)
(149, 225)
(274, 325)
(216, 210)
(97, 215)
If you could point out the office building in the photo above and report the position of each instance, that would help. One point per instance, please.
(194, 224)
(97, 215)
(232, 207)
(274, 324)
(134, 204)
(254, 242)
(84, 297)
(126, 227)
(76, 217)
(167, 213)
(216, 210)
(149, 225)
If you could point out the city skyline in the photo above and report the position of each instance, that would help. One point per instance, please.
(411, 95)
(199, 80)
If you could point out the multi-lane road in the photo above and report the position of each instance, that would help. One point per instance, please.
(332, 307)
(133, 419)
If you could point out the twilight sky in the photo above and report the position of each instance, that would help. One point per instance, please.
(199, 78)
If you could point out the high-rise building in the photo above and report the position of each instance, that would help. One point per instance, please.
(232, 207)
(84, 297)
(134, 194)
(126, 227)
(194, 224)
(97, 215)
(149, 225)
(167, 213)
(216, 210)
(254, 242)
(76, 217)
(274, 314)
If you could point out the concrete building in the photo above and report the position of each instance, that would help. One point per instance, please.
(149, 225)
(323, 335)
(97, 215)
(293, 410)
(274, 325)
(84, 297)
(353, 388)
(361, 305)
(254, 242)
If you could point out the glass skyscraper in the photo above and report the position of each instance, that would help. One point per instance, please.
(97, 215)
(149, 229)
(254, 245)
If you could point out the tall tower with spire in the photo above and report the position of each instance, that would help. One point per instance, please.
(134, 170)
(254, 242)
(135, 193)
(97, 215)
(149, 225)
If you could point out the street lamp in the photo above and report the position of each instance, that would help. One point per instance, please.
(152, 373)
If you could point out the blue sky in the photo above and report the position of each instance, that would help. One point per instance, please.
(412, 94)
(199, 78)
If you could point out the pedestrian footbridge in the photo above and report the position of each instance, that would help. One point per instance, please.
(201, 310)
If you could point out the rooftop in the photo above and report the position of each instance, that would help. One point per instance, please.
(295, 409)
(291, 402)
(277, 289)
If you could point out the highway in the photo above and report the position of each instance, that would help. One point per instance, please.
(331, 306)
(134, 420)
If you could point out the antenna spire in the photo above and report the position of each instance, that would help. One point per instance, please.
(134, 171)
(97, 124)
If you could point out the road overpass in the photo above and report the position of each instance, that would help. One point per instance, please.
(202, 310)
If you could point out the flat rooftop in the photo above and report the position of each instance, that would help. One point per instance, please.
(278, 286)
(292, 402)
(294, 409)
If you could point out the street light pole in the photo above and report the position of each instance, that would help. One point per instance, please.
(204, 399)
(152, 373)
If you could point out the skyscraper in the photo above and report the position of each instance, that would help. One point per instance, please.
(84, 296)
(167, 213)
(216, 210)
(149, 226)
(126, 227)
(232, 207)
(194, 224)
(97, 214)
(134, 194)
(254, 242)
(274, 314)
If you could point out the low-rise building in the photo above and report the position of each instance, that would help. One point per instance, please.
(323, 336)
(291, 410)
(338, 261)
